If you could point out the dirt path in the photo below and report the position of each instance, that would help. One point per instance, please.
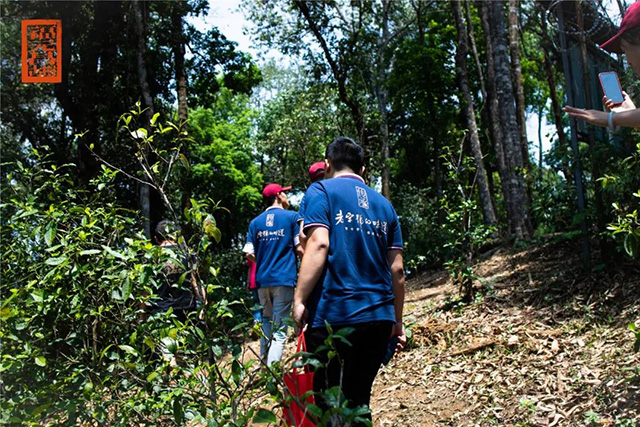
(541, 346)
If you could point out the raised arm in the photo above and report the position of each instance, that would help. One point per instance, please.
(628, 118)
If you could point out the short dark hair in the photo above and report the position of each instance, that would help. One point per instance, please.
(345, 152)
(270, 200)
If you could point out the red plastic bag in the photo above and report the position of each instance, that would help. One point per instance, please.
(296, 385)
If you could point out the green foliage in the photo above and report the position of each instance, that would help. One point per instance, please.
(626, 226)
(80, 284)
(422, 234)
(295, 125)
(553, 204)
(466, 229)
(633, 327)
(223, 166)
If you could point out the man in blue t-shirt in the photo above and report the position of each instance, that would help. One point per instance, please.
(271, 244)
(351, 274)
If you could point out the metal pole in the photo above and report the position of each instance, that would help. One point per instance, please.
(568, 77)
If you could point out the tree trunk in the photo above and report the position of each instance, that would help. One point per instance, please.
(178, 58)
(540, 113)
(601, 218)
(341, 80)
(516, 67)
(382, 96)
(177, 47)
(463, 79)
(512, 146)
(550, 73)
(147, 101)
(495, 129)
(474, 51)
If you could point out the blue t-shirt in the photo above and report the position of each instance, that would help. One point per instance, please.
(272, 235)
(303, 204)
(355, 286)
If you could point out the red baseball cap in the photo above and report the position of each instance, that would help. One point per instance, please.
(273, 189)
(316, 171)
(631, 20)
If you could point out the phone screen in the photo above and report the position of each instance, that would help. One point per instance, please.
(611, 87)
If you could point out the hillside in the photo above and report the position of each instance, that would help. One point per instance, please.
(543, 345)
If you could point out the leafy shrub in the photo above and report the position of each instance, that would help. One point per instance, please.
(76, 344)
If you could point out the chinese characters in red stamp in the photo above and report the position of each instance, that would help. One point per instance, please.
(41, 51)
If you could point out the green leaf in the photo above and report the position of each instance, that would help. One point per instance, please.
(38, 295)
(7, 313)
(214, 232)
(631, 245)
(264, 416)
(125, 289)
(177, 410)
(41, 361)
(90, 252)
(113, 253)
(154, 118)
(56, 260)
(128, 349)
(184, 161)
(50, 234)
(149, 342)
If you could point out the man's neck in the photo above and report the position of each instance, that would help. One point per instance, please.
(276, 206)
(345, 171)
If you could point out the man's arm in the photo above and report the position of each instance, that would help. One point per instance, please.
(313, 262)
(394, 256)
(251, 257)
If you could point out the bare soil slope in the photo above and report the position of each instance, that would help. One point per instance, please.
(542, 345)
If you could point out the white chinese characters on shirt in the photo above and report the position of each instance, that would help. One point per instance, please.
(270, 235)
(354, 222)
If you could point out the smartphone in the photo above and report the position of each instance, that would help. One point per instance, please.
(611, 86)
(391, 349)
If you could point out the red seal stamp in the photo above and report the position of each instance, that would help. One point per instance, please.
(42, 51)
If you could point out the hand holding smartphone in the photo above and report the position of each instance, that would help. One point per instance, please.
(611, 87)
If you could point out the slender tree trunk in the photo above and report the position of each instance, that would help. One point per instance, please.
(601, 219)
(382, 96)
(474, 51)
(516, 67)
(183, 112)
(495, 128)
(540, 113)
(438, 178)
(341, 80)
(513, 149)
(147, 101)
(550, 73)
(484, 110)
(463, 79)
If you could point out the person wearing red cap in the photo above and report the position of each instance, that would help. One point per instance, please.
(627, 41)
(271, 243)
(316, 173)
